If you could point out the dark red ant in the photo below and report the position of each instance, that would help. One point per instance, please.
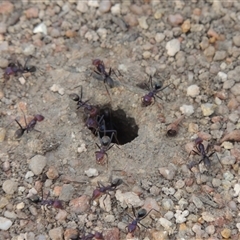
(91, 111)
(105, 144)
(96, 235)
(101, 189)
(141, 214)
(29, 127)
(15, 68)
(101, 71)
(149, 98)
(48, 202)
(201, 151)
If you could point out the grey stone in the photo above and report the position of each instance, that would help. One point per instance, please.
(37, 164)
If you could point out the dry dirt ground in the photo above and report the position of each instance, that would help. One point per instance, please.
(64, 65)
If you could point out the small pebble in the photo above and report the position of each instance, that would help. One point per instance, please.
(93, 3)
(67, 192)
(159, 37)
(20, 205)
(207, 109)
(172, 47)
(226, 233)
(181, 216)
(3, 132)
(168, 172)
(235, 90)
(91, 172)
(40, 28)
(80, 205)
(5, 223)
(186, 26)
(210, 229)
(236, 40)
(116, 9)
(82, 6)
(175, 20)
(71, 233)
(9, 186)
(52, 173)
(37, 164)
(228, 160)
(187, 110)
(143, 22)
(129, 199)
(167, 204)
(208, 217)
(165, 223)
(31, 12)
(56, 233)
(193, 91)
(105, 6)
(227, 145)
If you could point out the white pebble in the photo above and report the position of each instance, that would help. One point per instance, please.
(208, 217)
(20, 205)
(227, 145)
(116, 9)
(129, 199)
(172, 47)
(187, 110)
(5, 223)
(207, 109)
(193, 91)
(165, 223)
(40, 28)
(236, 189)
(22, 80)
(222, 76)
(82, 148)
(29, 174)
(181, 216)
(93, 3)
(91, 172)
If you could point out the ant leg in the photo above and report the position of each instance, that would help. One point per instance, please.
(150, 81)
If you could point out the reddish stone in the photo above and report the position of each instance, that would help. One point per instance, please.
(6, 7)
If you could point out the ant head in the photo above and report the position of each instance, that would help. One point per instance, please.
(141, 213)
(157, 86)
(74, 97)
(147, 100)
(30, 69)
(116, 182)
(105, 140)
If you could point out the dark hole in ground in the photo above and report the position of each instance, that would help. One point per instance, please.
(118, 122)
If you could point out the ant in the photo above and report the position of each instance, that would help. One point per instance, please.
(105, 142)
(15, 68)
(96, 235)
(141, 214)
(201, 151)
(101, 71)
(29, 127)
(149, 98)
(48, 202)
(91, 111)
(101, 189)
